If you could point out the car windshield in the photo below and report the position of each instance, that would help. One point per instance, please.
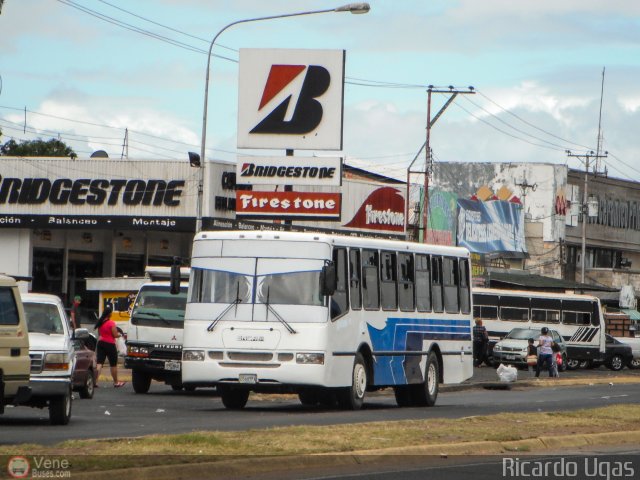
(522, 334)
(43, 318)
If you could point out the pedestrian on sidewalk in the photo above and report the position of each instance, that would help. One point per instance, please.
(480, 342)
(106, 349)
(75, 312)
(545, 353)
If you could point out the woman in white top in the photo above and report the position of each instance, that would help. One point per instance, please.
(545, 352)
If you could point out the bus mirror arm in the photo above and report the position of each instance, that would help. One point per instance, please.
(328, 280)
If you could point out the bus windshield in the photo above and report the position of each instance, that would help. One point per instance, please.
(273, 281)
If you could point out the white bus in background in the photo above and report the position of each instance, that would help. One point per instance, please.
(327, 317)
(577, 318)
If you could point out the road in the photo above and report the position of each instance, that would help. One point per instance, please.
(120, 412)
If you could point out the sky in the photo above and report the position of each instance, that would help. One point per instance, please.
(87, 71)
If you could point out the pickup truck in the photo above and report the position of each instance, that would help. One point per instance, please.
(634, 343)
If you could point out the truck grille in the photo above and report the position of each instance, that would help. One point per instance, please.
(166, 354)
(36, 362)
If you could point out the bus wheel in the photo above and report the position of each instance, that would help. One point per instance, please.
(234, 398)
(403, 395)
(140, 381)
(352, 398)
(572, 363)
(425, 394)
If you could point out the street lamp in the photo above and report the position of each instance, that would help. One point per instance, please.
(355, 8)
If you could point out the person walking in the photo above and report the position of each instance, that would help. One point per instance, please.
(480, 342)
(545, 353)
(106, 349)
(75, 312)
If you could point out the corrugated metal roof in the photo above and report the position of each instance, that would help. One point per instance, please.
(633, 314)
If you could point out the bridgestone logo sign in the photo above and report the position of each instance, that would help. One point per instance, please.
(289, 171)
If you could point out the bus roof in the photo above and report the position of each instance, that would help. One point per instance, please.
(341, 240)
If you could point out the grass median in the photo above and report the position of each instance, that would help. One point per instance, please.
(214, 446)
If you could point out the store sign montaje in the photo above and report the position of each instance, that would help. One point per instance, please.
(289, 171)
(291, 99)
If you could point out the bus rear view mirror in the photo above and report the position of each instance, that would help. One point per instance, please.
(175, 276)
(328, 280)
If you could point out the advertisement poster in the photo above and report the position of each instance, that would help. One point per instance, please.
(442, 218)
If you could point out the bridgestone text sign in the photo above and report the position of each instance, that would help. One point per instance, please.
(291, 99)
(289, 205)
(289, 171)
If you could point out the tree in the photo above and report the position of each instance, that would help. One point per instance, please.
(37, 148)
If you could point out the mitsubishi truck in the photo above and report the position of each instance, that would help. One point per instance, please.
(154, 335)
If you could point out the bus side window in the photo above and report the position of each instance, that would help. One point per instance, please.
(389, 278)
(406, 282)
(370, 280)
(436, 283)
(464, 291)
(339, 300)
(355, 286)
(423, 283)
(450, 281)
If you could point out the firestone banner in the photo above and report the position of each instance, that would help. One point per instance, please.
(488, 227)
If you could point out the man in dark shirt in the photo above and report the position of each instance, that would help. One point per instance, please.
(75, 312)
(480, 342)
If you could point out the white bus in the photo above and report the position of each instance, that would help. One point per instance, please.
(327, 317)
(578, 318)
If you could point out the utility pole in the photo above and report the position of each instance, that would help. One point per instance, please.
(585, 199)
(428, 167)
(524, 186)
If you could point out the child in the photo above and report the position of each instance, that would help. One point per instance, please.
(532, 351)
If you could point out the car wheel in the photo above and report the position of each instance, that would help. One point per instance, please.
(352, 398)
(616, 363)
(234, 398)
(573, 364)
(89, 386)
(634, 363)
(60, 409)
(141, 381)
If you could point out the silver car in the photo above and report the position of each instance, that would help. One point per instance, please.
(512, 349)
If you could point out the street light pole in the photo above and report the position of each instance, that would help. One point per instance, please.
(355, 8)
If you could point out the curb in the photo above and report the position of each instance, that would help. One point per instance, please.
(247, 466)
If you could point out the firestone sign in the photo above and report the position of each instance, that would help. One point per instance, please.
(290, 205)
(383, 210)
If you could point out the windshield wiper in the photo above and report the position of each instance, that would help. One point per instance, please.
(154, 314)
(223, 313)
(277, 315)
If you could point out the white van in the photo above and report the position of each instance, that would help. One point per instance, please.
(154, 335)
(52, 355)
(14, 346)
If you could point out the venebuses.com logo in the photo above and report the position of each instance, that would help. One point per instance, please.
(38, 467)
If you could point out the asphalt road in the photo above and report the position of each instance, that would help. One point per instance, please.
(120, 412)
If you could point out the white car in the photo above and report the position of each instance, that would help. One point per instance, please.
(52, 355)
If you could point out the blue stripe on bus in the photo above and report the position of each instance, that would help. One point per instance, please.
(408, 334)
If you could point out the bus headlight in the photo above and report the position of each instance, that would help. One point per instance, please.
(310, 358)
(193, 355)
(56, 361)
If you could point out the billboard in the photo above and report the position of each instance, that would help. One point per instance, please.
(382, 210)
(291, 99)
(490, 227)
(442, 218)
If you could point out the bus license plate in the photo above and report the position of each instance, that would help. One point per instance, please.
(248, 378)
(172, 366)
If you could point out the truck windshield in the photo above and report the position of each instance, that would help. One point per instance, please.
(43, 318)
(156, 306)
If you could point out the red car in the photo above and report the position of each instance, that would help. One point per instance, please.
(84, 373)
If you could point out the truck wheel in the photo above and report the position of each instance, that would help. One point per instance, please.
(141, 381)
(89, 386)
(352, 398)
(60, 409)
(234, 398)
(308, 397)
(425, 394)
(616, 363)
